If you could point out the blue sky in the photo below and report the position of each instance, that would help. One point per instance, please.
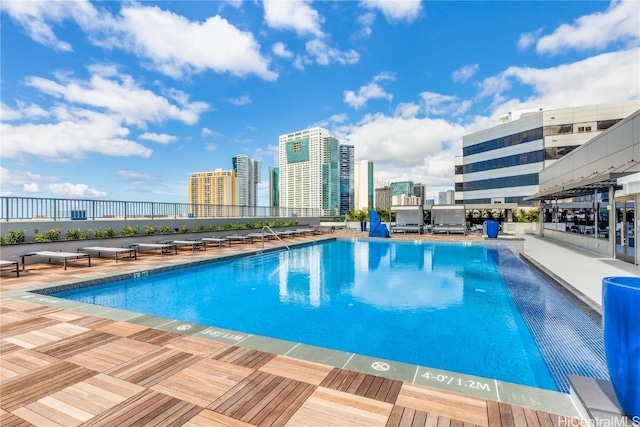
(124, 100)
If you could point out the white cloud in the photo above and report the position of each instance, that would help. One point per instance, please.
(161, 138)
(366, 21)
(170, 43)
(325, 55)
(438, 104)
(120, 95)
(296, 15)
(367, 92)
(211, 147)
(465, 73)
(421, 150)
(528, 39)
(242, 100)
(395, 11)
(280, 49)
(69, 190)
(23, 111)
(206, 131)
(133, 174)
(89, 116)
(596, 31)
(595, 80)
(34, 17)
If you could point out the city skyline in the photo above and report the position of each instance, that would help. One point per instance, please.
(108, 100)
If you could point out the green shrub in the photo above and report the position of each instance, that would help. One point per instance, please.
(52, 234)
(150, 229)
(130, 231)
(85, 234)
(183, 229)
(73, 234)
(199, 228)
(166, 229)
(13, 237)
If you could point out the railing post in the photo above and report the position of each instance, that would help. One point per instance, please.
(125, 209)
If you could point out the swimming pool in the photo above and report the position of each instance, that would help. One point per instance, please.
(459, 307)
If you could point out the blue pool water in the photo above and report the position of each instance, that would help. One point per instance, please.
(440, 305)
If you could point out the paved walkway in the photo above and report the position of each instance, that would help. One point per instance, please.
(582, 269)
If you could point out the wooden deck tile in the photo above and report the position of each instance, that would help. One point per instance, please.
(62, 315)
(383, 389)
(263, 399)
(23, 361)
(197, 346)
(148, 408)
(244, 357)
(153, 367)
(92, 322)
(208, 418)
(113, 353)
(8, 419)
(24, 389)
(456, 406)
(296, 369)
(327, 407)
(44, 335)
(10, 326)
(122, 329)
(7, 347)
(76, 344)
(203, 382)
(153, 336)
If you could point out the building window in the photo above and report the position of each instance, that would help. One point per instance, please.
(297, 147)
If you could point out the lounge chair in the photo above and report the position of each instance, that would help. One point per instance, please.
(239, 238)
(12, 265)
(132, 253)
(194, 244)
(219, 241)
(64, 256)
(164, 248)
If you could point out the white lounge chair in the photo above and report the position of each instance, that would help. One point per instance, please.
(64, 256)
(132, 253)
(164, 248)
(219, 241)
(194, 244)
(12, 265)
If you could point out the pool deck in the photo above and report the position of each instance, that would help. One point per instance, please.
(67, 366)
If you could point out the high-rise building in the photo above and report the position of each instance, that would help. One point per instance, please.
(346, 178)
(400, 191)
(420, 190)
(213, 194)
(274, 186)
(383, 198)
(364, 185)
(309, 171)
(446, 197)
(248, 176)
(501, 164)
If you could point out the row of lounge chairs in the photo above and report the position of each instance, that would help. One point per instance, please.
(168, 246)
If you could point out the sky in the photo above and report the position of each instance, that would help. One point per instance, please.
(125, 100)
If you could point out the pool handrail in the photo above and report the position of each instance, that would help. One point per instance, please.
(276, 235)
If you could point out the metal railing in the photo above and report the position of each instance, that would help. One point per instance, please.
(276, 236)
(31, 208)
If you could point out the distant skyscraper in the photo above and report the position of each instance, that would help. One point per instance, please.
(274, 186)
(420, 190)
(363, 185)
(446, 197)
(398, 189)
(309, 171)
(212, 194)
(346, 178)
(383, 198)
(248, 176)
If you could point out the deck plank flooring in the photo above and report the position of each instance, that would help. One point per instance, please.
(61, 367)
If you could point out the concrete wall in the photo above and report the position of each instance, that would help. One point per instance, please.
(601, 246)
(37, 226)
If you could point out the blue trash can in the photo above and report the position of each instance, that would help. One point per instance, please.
(492, 229)
(363, 225)
(620, 302)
